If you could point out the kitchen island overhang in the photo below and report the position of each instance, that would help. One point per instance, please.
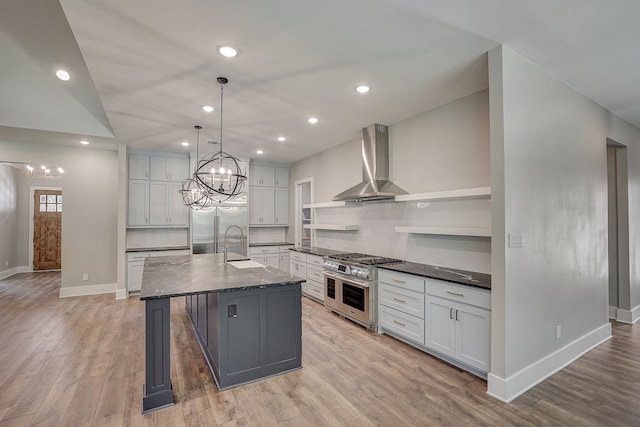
(247, 319)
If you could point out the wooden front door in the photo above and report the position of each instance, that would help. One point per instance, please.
(47, 230)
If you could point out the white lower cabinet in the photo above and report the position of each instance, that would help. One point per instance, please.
(310, 268)
(453, 321)
(272, 256)
(135, 265)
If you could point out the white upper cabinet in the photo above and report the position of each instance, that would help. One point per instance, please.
(282, 177)
(154, 184)
(263, 176)
(268, 196)
(138, 167)
(169, 168)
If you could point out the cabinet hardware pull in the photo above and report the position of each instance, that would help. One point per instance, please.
(398, 281)
(455, 293)
(399, 323)
(457, 311)
(399, 300)
(451, 313)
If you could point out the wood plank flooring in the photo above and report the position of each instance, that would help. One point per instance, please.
(79, 362)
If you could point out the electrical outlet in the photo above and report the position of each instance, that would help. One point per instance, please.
(85, 276)
(558, 332)
(6, 263)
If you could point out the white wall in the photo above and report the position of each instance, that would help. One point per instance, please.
(8, 217)
(442, 149)
(89, 231)
(549, 183)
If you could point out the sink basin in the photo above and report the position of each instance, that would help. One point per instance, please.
(245, 264)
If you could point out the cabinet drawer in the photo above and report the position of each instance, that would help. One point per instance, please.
(137, 256)
(407, 281)
(315, 273)
(298, 269)
(299, 256)
(169, 253)
(315, 260)
(260, 250)
(461, 293)
(315, 289)
(402, 324)
(285, 248)
(401, 299)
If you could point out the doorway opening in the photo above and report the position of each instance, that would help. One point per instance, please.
(45, 228)
(618, 225)
(303, 196)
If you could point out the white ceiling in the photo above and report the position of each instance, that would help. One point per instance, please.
(141, 70)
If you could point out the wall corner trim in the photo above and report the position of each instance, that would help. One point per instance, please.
(508, 389)
(78, 291)
(121, 294)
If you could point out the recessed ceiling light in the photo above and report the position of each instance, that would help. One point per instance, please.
(208, 108)
(281, 138)
(228, 51)
(259, 151)
(84, 142)
(184, 143)
(312, 120)
(362, 89)
(63, 75)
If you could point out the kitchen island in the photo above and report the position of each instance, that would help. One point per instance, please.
(247, 318)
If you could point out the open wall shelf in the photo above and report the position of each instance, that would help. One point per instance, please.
(446, 231)
(465, 193)
(335, 227)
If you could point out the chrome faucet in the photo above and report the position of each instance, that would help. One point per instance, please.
(226, 240)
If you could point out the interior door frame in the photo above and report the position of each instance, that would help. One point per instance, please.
(32, 193)
(298, 208)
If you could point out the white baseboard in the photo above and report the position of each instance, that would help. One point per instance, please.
(8, 272)
(628, 316)
(77, 291)
(508, 389)
(121, 294)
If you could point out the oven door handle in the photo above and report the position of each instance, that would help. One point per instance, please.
(354, 283)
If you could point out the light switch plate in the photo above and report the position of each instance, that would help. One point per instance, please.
(516, 240)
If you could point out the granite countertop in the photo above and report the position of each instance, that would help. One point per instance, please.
(271, 244)
(479, 280)
(315, 251)
(163, 248)
(173, 276)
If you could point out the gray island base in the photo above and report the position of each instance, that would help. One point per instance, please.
(246, 317)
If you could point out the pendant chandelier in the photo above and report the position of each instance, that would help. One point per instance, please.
(44, 172)
(218, 176)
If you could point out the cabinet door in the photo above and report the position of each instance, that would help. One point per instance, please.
(178, 169)
(138, 167)
(158, 203)
(268, 206)
(255, 205)
(282, 206)
(298, 268)
(282, 177)
(138, 202)
(177, 211)
(284, 262)
(440, 325)
(473, 335)
(159, 168)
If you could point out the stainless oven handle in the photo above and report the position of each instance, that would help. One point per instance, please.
(356, 284)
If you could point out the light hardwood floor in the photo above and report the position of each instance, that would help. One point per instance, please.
(79, 362)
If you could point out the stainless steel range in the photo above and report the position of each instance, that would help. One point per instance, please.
(349, 285)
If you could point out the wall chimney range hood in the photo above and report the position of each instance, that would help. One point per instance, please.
(375, 183)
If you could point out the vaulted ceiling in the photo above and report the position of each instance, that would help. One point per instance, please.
(142, 70)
